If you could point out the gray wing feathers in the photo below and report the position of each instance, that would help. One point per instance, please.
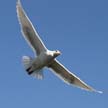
(68, 77)
(28, 30)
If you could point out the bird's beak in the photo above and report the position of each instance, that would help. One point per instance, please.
(59, 53)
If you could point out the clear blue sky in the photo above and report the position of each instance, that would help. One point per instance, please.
(79, 28)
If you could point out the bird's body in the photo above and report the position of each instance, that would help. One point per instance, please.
(45, 58)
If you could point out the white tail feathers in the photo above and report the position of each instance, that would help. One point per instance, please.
(27, 62)
(38, 74)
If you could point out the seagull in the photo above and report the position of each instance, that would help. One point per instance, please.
(44, 57)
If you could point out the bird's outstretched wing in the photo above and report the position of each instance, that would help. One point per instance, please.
(28, 30)
(69, 77)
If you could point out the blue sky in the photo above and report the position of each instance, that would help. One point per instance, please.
(79, 29)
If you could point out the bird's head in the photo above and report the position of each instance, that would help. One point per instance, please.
(57, 53)
(53, 54)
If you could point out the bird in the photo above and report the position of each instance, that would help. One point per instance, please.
(44, 57)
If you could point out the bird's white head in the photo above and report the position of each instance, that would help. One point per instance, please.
(53, 54)
(57, 53)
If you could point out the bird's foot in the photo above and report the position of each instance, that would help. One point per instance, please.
(29, 70)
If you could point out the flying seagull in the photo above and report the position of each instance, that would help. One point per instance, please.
(44, 57)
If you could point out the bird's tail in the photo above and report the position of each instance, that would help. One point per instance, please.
(27, 62)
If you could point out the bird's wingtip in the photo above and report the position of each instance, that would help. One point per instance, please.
(18, 3)
(97, 91)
